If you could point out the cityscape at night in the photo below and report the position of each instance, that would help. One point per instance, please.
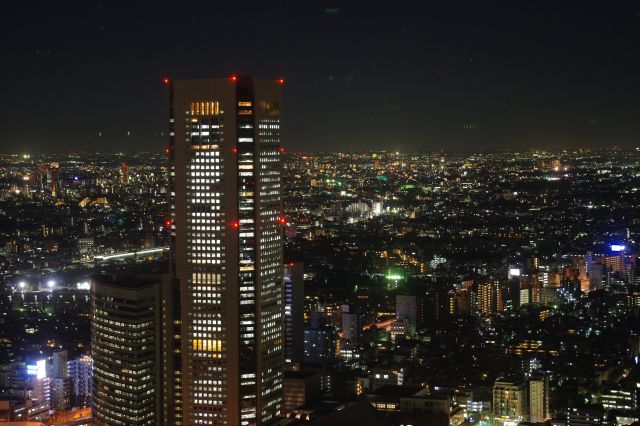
(316, 214)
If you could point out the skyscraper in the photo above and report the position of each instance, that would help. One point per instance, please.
(128, 332)
(294, 313)
(226, 224)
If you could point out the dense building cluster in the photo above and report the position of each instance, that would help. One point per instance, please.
(418, 288)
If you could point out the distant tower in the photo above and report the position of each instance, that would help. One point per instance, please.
(55, 180)
(124, 173)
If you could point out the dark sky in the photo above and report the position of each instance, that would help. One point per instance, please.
(359, 75)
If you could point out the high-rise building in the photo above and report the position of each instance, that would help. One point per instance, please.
(436, 306)
(508, 402)
(59, 365)
(319, 340)
(486, 299)
(226, 223)
(539, 399)
(406, 310)
(293, 313)
(60, 382)
(80, 373)
(128, 332)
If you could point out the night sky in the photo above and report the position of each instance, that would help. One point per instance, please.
(417, 75)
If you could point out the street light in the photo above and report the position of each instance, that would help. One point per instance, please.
(51, 284)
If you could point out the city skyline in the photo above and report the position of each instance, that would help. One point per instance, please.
(322, 212)
(443, 288)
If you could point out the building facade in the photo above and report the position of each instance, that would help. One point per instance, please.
(294, 313)
(508, 402)
(539, 399)
(80, 373)
(128, 354)
(226, 223)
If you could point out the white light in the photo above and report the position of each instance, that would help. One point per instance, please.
(22, 284)
(41, 371)
(84, 285)
(514, 272)
(51, 283)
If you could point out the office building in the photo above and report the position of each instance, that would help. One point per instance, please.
(128, 332)
(319, 345)
(293, 313)
(226, 243)
(351, 324)
(622, 399)
(59, 382)
(486, 299)
(406, 310)
(80, 374)
(436, 306)
(585, 416)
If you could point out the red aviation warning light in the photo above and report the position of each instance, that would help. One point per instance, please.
(235, 224)
(282, 220)
(167, 223)
(234, 150)
(281, 81)
(281, 149)
(165, 80)
(233, 78)
(167, 150)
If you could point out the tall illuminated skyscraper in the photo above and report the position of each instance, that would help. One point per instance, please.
(226, 222)
(128, 335)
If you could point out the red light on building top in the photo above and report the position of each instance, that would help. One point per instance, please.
(234, 150)
(281, 81)
(292, 263)
(282, 220)
(281, 149)
(165, 80)
(167, 223)
(233, 78)
(235, 224)
(167, 150)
